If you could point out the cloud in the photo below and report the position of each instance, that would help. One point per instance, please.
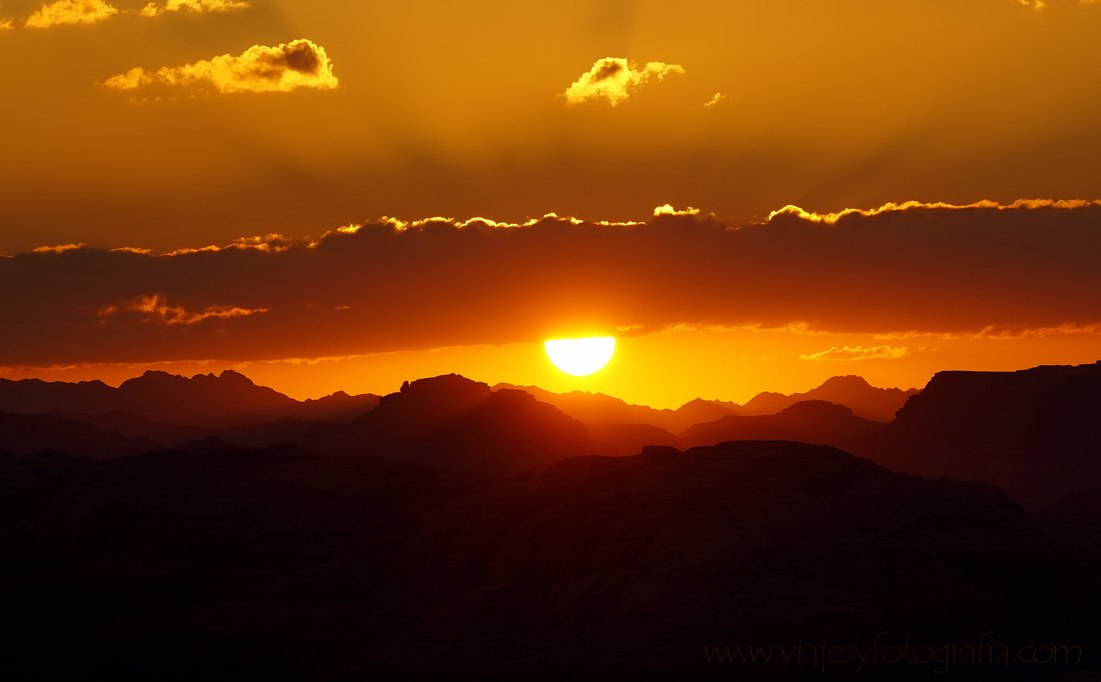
(716, 99)
(59, 248)
(156, 307)
(283, 68)
(391, 284)
(71, 12)
(198, 6)
(5, 24)
(891, 207)
(667, 209)
(613, 78)
(1000, 333)
(859, 353)
(1042, 4)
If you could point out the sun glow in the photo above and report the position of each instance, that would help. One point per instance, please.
(580, 357)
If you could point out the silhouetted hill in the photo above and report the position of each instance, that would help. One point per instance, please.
(1035, 433)
(282, 564)
(24, 434)
(865, 400)
(455, 422)
(133, 426)
(869, 402)
(811, 421)
(627, 439)
(337, 407)
(34, 396)
(204, 564)
(205, 400)
(596, 409)
(635, 564)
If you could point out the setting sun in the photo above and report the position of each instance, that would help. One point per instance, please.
(580, 357)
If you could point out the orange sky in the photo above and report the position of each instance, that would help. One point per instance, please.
(176, 124)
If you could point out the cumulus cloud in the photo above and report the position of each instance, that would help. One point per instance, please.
(614, 79)
(289, 66)
(391, 284)
(71, 12)
(198, 6)
(155, 307)
(667, 209)
(859, 353)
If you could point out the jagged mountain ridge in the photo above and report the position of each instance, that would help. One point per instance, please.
(854, 392)
(205, 400)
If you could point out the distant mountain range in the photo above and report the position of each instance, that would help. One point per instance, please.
(456, 529)
(205, 400)
(865, 400)
(1033, 433)
(810, 421)
(163, 411)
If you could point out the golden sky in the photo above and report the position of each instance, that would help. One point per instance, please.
(179, 124)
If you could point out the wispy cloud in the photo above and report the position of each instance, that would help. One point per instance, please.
(198, 6)
(614, 79)
(716, 99)
(155, 307)
(859, 353)
(6, 24)
(59, 248)
(1042, 4)
(65, 12)
(283, 68)
(892, 207)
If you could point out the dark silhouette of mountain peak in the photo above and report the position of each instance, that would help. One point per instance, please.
(429, 401)
(865, 400)
(817, 409)
(459, 423)
(1034, 432)
(849, 381)
(809, 421)
(205, 399)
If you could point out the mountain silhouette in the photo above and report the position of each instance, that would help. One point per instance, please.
(1034, 433)
(205, 400)
(455, 422)
(24, 434)
(633, 564)
(621, 440)
(865, 400)
(598, 409)
(810, 421)
(186, 565)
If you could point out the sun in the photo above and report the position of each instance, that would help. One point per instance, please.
(580, 357)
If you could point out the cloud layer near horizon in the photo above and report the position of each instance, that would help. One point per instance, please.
(391, 285)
